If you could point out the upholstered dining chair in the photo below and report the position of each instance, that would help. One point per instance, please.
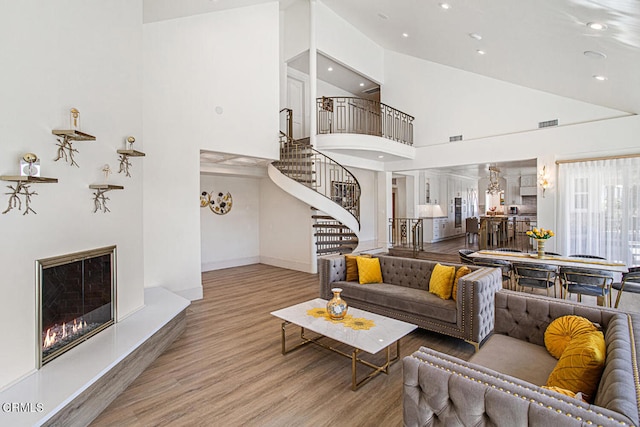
(472, 228)
(630, 283)
(586, 281)
(464, 256)
(503, 265)
(541, 276)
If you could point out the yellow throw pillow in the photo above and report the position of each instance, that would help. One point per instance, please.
(462, 271)
(369, 270)
(562, 330)
(352, 267)
(581, 364)
(441, 280)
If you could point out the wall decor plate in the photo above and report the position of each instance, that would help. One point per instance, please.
(220, 203)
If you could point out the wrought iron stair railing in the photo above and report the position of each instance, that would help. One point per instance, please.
(302, 163)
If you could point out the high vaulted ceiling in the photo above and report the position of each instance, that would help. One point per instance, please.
(539, 44)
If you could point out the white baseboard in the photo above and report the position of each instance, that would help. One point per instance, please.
(219, 265)
(291, 265)
(191, 294)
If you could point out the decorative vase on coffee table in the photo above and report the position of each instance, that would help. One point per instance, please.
(541, 247)
(337, 307)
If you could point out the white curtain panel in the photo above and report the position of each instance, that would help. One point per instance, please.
(599, 209)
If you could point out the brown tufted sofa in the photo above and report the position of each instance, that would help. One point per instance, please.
(441, 390)
(405, 296)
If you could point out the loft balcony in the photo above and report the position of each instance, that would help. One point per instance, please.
(364, 128)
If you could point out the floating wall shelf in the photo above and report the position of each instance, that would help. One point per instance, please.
(99, 199)
(66, 137)
(22, 189)
(125, 164)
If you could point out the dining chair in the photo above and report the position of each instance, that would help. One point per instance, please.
(464, 256)
(530, 275)
(586, 281)
(586, 256)
(472, 229)
(505, 267)
(630, 283)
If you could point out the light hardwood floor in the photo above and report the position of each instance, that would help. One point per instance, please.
(227, 369)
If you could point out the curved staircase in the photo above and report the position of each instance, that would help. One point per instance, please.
(325, 185)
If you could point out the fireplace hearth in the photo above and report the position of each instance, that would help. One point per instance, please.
(76, 299)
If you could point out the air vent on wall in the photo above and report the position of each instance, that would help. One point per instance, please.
(372, 90)
(548, 123)
(455, 138)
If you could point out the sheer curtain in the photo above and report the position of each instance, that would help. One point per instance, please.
(599, 209)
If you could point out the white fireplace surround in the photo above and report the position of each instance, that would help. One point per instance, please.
(53, 389)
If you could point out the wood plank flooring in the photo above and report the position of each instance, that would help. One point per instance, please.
(227, 369)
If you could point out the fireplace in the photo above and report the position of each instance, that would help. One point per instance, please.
(76, 299)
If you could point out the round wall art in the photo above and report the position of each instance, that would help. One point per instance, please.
(204, 199)
(221, 203)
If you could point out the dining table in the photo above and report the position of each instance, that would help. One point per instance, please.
(560, 261)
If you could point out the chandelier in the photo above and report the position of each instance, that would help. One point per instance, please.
(494, 183)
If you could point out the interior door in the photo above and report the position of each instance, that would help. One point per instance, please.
(295, 101)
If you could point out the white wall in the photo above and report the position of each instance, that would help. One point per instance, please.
(232, 239)
(446, 101)
(295, 30)
(340, 40)
(211, 82)
(58, 55)
(285, 229)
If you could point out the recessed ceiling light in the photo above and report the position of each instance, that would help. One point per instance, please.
(481, 52)
(330, 69)
(445, 6)
(600, 78)
(594, 54)
(475, 36)
(361, 84)
(599, 26)
(381, 157)
(405, 35)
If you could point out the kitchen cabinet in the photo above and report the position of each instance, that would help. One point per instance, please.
(434, 229)
(528, 181)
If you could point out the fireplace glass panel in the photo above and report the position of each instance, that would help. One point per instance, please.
(76, 299)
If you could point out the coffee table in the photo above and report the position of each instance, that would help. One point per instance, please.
(383, 335)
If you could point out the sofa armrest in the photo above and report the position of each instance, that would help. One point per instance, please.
(444, 390)
(476, 302)
(331, 269)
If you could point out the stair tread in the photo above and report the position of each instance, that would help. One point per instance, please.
(338, 242)
(330, 226)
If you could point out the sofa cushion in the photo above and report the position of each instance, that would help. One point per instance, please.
(352, 267)
(441, 280)
(581, 365)
(524, 360)
(369, 270)
(461, 272)
(402, 299)
(562, 330)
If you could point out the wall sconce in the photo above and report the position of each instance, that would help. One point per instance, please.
(543, 180)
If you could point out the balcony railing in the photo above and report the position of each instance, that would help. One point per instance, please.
(362, 116)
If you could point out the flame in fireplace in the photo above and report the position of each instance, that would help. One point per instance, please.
(58, 333)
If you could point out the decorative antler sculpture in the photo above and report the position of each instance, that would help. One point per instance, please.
(124, 165)
(66, 150)
(20, 189)
(100, 201)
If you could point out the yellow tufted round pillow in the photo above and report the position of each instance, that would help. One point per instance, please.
(581, 364)
(562, 330)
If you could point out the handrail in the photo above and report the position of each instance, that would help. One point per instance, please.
(303, 163)
(288, 121)
(407, 232)
(341, 114)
